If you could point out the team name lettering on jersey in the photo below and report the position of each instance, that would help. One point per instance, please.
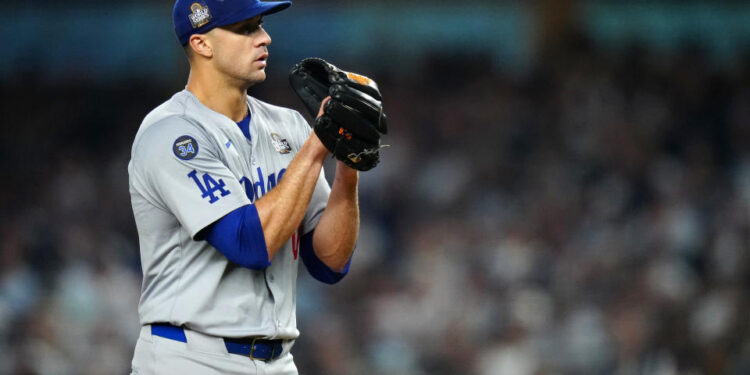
(264, 184)
(209, 187)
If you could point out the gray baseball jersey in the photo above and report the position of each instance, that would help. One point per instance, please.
(189, 167)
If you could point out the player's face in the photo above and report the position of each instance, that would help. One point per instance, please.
(241, 50)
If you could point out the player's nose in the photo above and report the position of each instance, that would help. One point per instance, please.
(263, 39)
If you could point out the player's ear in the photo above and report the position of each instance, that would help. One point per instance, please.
(200, 45)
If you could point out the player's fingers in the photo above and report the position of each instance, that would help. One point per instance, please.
(322, 106)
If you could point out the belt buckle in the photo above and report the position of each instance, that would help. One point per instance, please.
(271, 355)
(252, 351)
(252, 348)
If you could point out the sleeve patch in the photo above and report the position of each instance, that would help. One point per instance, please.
(185, 147)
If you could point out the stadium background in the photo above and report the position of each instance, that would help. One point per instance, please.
(567, 191)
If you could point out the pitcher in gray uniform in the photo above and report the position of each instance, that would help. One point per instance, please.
(228, 195)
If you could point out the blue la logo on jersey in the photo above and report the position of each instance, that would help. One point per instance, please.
(210, 187)
(185, 147)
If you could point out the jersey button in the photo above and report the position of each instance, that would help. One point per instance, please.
(271, 278)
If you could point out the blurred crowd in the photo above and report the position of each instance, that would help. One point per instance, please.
(591, 216)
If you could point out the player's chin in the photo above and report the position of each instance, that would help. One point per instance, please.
(257, 76)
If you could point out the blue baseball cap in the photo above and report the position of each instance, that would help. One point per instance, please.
(199, 16)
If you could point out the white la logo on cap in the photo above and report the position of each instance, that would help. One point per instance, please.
(199, 16)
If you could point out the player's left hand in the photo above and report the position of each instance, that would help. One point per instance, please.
(352, 121)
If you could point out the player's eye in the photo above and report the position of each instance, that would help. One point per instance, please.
(251, 28)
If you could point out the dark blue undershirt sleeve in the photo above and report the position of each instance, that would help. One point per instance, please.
(319, 270)
(239, 236)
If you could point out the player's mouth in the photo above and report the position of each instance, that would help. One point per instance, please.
(262, 60)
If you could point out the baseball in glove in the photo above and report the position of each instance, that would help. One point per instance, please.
(353, 119)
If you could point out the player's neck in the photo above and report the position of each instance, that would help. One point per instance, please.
(219, 96)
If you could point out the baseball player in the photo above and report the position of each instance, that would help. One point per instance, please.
(229, 194)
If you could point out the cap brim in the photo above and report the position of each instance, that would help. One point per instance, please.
(275, 6)
(260, 8)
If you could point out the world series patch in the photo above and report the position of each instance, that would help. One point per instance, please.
(185, 147)
(200, 15)
(281, 145)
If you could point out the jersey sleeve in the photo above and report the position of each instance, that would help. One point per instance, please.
(183, 172)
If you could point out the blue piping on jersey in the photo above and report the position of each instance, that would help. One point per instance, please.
(239, 236)
(319, 270)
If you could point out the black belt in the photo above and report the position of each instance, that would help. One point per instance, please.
(254, 347)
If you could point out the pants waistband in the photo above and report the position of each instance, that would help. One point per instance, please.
(254, 347)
